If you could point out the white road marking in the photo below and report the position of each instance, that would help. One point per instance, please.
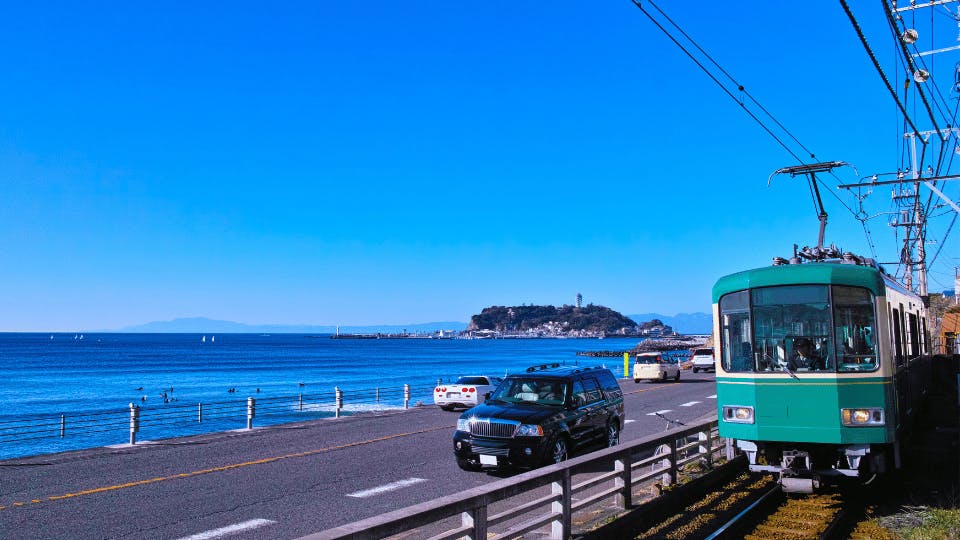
(230, 529)
(665, 411)
(386, 487)
(712, 397)
(690, 404)
(627, 421)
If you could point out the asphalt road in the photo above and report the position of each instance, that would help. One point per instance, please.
(275, 482)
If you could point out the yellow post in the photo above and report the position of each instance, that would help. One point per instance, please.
(626, 365)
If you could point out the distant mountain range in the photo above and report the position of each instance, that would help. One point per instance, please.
(198, 325)
(684, 323)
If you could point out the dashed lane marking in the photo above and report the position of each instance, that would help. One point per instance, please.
(664, 411)
(393, 486)
(690, 404)
(628, 421)
(230, 529)
(712, 397)
(222, 468)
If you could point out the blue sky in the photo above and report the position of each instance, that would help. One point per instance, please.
(389, 163)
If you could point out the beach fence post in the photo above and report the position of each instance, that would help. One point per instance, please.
(406, 396)
(338, 398)
(134, 423)
(626, 365)
(300, 402)
(378, 395)
(63, 425)
(251, 411)
(199, 412)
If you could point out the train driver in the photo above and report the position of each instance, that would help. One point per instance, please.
(804, 357)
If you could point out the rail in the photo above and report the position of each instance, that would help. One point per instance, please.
(128, 424)
(473, 513)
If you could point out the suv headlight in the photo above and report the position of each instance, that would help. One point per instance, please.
(463, 424)
(862, 417)
(738, 414)
(529, 430)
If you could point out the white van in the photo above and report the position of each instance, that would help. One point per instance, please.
(652, 366)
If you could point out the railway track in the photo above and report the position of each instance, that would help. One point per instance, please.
(754, 507)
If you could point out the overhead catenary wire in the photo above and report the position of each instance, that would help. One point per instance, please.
(639, 4)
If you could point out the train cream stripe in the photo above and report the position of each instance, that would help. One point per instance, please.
(222, 468)
(788, 382)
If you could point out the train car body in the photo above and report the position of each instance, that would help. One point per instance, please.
(820, 368)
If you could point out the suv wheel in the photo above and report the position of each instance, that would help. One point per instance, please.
(677, 377)
(613, 433)
(695, 370)
(560, 451)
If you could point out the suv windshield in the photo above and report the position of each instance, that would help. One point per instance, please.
(531, 390)
(703, 352)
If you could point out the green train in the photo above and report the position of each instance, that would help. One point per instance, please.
(820, 368)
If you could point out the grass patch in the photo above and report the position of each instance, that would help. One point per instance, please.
(924, 523)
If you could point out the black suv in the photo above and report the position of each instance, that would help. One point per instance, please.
(539, 417)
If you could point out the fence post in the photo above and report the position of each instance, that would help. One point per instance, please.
(251, 411)
(199, 412)
(706, 447)
(406, 396)
(475, 519)
(300, 402)
(134, 423)
(560, 527)
(378, 395)
(338, 396)
(673, 461)
(625, 480)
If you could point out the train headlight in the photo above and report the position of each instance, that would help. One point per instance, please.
(862, 417)
(738, 414)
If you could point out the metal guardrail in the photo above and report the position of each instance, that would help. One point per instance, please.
(176, 418)
(660, 456)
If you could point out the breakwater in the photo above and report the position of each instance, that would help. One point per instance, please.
(673, 343)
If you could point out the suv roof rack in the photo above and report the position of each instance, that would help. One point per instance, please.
(542, 367)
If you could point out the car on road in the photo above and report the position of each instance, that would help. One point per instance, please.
(540, 416)
(465, 392)
(702, 360)
(652, 366)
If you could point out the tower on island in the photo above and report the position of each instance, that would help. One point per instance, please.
(579, 300)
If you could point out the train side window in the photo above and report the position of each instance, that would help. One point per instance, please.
(854, 329)
(925, 334)
(897, 337)
(914, 335)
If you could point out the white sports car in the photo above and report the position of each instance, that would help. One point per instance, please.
(466, 392)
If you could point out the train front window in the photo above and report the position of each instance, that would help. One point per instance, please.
(735, 332)
(792, 328)
(854, 323)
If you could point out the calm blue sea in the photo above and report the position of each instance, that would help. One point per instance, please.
(48, 375)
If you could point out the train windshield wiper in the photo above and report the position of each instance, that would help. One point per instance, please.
(790, 373)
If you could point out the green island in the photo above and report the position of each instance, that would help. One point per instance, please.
(564, 321)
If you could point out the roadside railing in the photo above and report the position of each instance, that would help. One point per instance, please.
(69, 430)
(552, 496)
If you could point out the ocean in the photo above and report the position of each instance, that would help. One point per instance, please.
(84, 384)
